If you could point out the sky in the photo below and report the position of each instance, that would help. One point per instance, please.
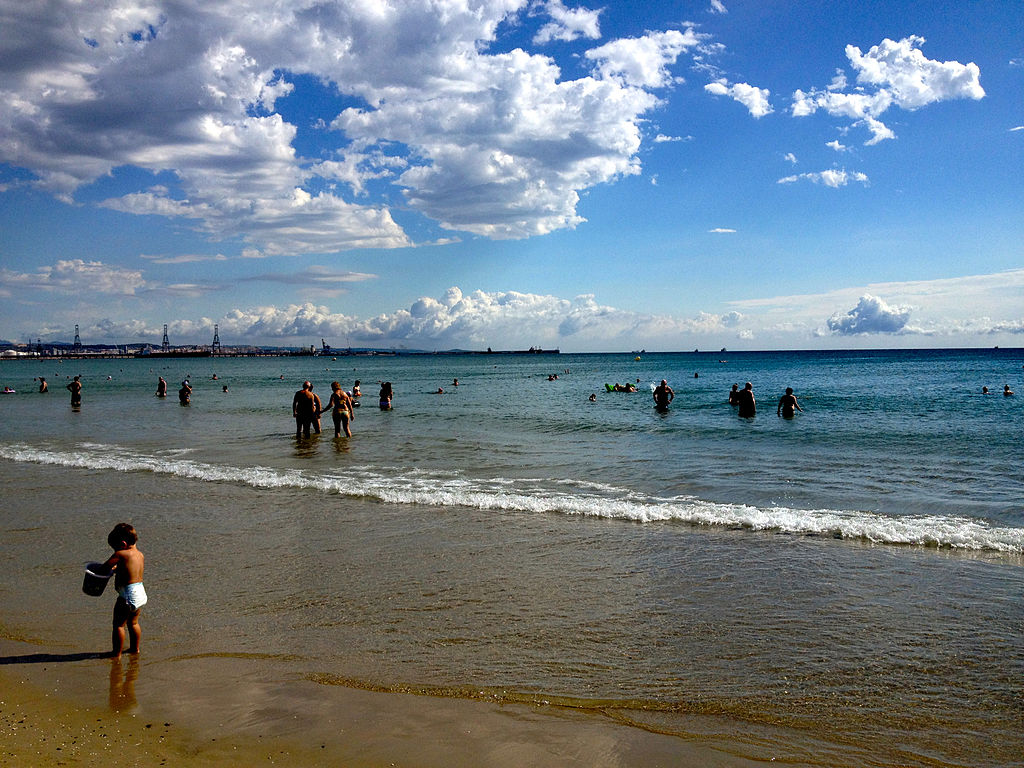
(440, 174)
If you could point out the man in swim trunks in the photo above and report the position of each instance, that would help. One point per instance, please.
(304, 409)
(161, 387)
(127, 564)
(663, 395)
(75, 387)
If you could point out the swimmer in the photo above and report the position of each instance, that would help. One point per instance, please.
(593, 397)
(42, 385)
(161, 387)
(788, 406)
(984, 390)
(185, 393)
(440, 391)
(455, 383)
(1007, 391)
(355, 389)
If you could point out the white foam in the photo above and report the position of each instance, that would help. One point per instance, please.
(540, 496)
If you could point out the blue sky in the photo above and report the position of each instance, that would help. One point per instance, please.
(508, 173)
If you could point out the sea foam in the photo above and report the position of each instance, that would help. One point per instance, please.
(451, 489)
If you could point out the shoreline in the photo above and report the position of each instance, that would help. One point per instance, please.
(76, 708)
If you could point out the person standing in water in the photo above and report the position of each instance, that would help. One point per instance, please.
(663, 395)
(75, 388)
(746, 402)
(161, 387)
(303, 409)
(788, 406)
(185, 393)
(341, 410)
(386, 395)
(42, 385)
(318, 408)
(734, 395)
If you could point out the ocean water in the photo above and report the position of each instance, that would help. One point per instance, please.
(841, 588)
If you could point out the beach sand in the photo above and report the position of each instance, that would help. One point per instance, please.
(79, 709)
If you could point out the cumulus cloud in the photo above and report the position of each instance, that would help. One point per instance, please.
(643, 62)
(753, 98)
(871, 315)
(891, 74)
(469, 134)
(568, 24)
(833, 177)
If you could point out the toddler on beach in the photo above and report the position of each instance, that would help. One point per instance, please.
(126, 564)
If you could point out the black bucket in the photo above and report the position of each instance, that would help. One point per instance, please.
(95, 580)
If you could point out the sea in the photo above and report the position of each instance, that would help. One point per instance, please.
(841, 588)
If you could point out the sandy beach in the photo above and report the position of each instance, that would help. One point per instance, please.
(70, 709)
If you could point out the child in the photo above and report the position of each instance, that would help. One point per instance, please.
(126, 563)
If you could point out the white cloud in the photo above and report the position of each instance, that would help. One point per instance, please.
(494, 143)
(836, 145)
(790, 157)
(643, 62)
(721, 230)
(891, 74)
(834, 178)
(73, 277)
(717, 6)
(753, 98)
(568, 24)
(871, 315)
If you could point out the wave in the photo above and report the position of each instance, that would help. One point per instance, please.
(411, 486)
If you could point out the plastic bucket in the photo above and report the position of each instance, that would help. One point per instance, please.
(95, 580)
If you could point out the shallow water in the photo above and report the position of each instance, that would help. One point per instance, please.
(852, 576)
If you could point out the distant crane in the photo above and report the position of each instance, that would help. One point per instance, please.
(78, 339)
(215, 347)
(325, 347)
(165, 345)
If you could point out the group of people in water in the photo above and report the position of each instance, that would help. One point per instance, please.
(307, 407)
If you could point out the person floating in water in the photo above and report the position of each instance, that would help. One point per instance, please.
(127, 565)
(161, 387)
(663, 395)
(341, 410)
(185, 393)
(788, 406)
(75, 388)
(304, 409)
(746, 402)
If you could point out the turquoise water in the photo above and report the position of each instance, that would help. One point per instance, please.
(848, 582)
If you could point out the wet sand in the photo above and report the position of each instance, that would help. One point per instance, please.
(79, 709)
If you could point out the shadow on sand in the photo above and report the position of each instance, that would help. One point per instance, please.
(51, 658)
